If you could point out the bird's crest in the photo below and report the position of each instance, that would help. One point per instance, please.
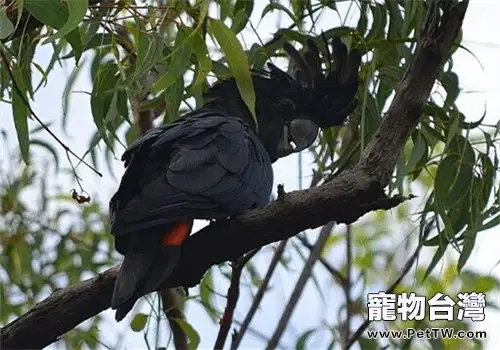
(326, 96)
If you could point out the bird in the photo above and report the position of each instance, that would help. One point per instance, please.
(216, 162)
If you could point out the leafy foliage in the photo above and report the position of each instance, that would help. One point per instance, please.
(157, 60)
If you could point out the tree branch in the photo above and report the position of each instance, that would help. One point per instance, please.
(348, 287)
(346, 198)
(433, 49)
(238, 335)
(333, 271)
(233, 295)
(299, 286)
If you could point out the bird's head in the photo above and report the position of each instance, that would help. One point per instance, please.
(291, 108)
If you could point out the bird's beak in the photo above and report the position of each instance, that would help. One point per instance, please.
(298, 135)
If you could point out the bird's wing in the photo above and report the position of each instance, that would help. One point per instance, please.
(204, 166)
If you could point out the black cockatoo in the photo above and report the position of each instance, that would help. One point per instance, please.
(215, 163)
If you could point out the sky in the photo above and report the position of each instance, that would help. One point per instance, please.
(480, 88)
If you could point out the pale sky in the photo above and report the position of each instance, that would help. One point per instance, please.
(479, 85)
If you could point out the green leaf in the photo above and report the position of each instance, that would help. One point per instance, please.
(190, 332)
(67, 94)
(225, 9)
(366, 343)
(149, 52)
(452, 128)
(145, 49)
(242, 12)
(302, 341)
(204, 62)
(435, 259)
(76, 10)
(491, 223)
(470, 125)
(131, 135)
(431, 134)
(418, 150)
(207, 295)
(139, 322)
(379, 22)
(21, 113)
(411, 11)
(450, 83)
(457, 43)
(363, 19)
(396, 19)
(100, 101)
(468, 245)
(475, 219)
(49, 148)
(40, 70)
(237, 62)
(173, 99)
(453, 179)
(488, 177)
(54, 14)
(98, 40)
(179, 60)
(6, 26)
(122, 105)
(418, 138)
(277, 6)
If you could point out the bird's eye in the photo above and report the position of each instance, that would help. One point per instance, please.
(286, 104)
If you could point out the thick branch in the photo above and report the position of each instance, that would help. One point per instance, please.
(433, 49)
(346, 198)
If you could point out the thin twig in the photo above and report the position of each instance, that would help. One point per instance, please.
(260, 294)
(73, 169)
(347, 285)
(299, 287)
(237, 337)
(259, 335)
(232, 299)
(333, 271)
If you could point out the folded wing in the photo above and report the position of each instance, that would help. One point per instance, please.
(204, 166)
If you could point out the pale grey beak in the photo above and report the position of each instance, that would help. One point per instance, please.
(297, 136)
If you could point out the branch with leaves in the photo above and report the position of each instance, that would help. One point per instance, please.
(344, 199)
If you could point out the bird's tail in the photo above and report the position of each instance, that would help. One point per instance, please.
(144, 271)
